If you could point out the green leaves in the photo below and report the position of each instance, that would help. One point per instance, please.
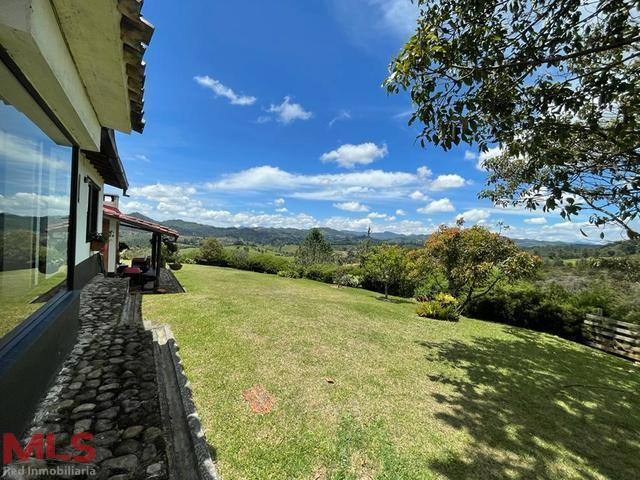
(556, 83)
(386, 264)
(314, 249)
(473, 260)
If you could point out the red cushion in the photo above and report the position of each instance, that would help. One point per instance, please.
(132, 270)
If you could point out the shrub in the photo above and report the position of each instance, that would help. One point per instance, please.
(322, 272)
(238, 258)
(442, 307)
(542, 308)
(267, 263)
(599, 296)
(212, 252)
(427, 291)
(291, 273)
(346, 280)
(189, 256)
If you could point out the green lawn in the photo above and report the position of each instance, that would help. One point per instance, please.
(413, 398)
(17, 291)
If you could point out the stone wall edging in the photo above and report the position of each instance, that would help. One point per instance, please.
(208, 470)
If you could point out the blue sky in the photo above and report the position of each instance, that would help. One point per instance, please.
(272, 114)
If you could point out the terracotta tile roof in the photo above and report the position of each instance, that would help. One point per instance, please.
(135, 222)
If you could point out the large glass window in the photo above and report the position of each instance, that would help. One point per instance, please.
(35, 183)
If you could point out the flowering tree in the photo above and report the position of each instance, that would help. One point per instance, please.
(470, 262)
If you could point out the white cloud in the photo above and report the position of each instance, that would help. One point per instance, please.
(288, 112)
(164, 192)
(484, 156)
(338, 186)
(25, 152)
(221, 90)
(263, 119)
(348, 155)
(475, 215)
(140, 158)
(444, 182)
(570, 232)
(279, 201)
(342, 115)
(399, 16)
(32, 204)
(400, 212)
(424, 172)
(438, 206)
(406, 227)
(351, 206)
(188, 202)
(163, 202)
(417, 195)
(344, 223)
(469, 155)
(377, 215)
(281, 210)
(348, 186)
(136, 206)
(536, 221)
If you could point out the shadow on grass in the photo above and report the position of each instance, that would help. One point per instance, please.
(393, 300)
(536, 408)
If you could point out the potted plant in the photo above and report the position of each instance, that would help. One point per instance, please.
(97, 241)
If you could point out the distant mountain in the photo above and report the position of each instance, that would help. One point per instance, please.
(284, 236)
(143, 217)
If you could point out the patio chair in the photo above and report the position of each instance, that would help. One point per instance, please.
(143, 264)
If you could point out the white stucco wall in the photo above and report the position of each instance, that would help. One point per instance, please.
(30, 33)
(113, 246)
(82, 246)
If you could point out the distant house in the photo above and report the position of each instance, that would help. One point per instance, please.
(71, 73)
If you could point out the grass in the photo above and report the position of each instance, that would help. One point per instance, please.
(17, 291)
(413, 398)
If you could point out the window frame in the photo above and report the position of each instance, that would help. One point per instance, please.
(45, 313)
(93, 208)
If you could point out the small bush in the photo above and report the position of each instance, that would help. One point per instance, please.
(238, 258)
(212, 252)
(541, 308)
(346, 280)
(267, 263)
(322, 272)
(427, 291)
(189, 256)
(291, 273)
(442, 307)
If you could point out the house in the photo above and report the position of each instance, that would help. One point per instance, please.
(113, 219)
(71, 73)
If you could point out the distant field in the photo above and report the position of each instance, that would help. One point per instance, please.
(411, 398)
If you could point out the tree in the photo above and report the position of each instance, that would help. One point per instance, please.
(472, 261)
(386, 264)
(554, 83)
(211, 250)
(314, 249)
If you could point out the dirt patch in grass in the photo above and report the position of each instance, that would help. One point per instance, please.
(259, 399)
